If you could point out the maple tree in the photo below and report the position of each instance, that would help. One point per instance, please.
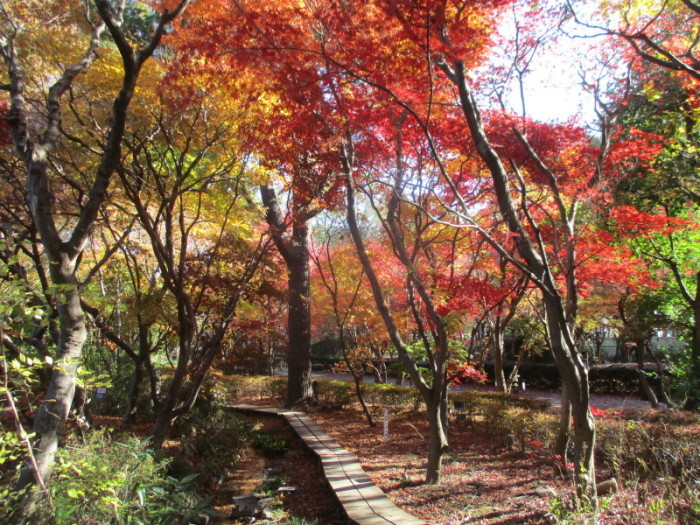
(36, 134)
(338, 275)
(186, 180)
(665, 220)
(295, 147)
(439, 42)
(658, 43)
(663, 33)
(343, 312)
(540, 158)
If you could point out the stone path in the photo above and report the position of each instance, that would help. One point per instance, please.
(363, 502)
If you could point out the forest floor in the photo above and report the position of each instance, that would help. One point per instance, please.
(483, 482)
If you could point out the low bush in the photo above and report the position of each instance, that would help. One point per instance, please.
(665, 452)
(270, 444)
(476, 399)
(334, 392)
(522, 427)
(217, 436)
(257, 386)
(98, 480)
(391, 396)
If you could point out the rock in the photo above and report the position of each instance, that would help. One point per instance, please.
(605, 488)
(266, 503)
(245, 506)
(267, 514)
(195, 519)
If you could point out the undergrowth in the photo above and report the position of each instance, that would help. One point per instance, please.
(653, 454)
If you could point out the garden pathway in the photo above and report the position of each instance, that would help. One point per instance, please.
(363, 502)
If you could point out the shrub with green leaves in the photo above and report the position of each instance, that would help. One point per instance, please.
(11, 454)
(390, 396)
(258, 386)
(270, 443)
(335, 392)
(103, 481)
(479, 400)
(218, 437)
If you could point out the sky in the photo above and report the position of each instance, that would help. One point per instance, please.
(553, 86)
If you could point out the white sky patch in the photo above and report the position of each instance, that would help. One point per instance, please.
(553, 85)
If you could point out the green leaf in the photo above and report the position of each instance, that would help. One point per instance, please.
(74, 493)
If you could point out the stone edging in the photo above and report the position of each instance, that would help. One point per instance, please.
(362, 501)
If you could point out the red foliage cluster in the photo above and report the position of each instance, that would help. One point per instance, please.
(459, 373)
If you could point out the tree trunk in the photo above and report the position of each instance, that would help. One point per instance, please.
(62, 247)
(434, 395)
(299, 327)
(437, 446)
(294, 249)
(164, 418)
(133, 395)
(497, 339)
(137, 377)
(574, 377)
(54, 410)
(360, 396)
(154, 383)
(561, 445)
(559, 310)
(641, 374)
(692, 402)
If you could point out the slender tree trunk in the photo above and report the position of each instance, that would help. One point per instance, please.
(497, 343)
(559, 310)
(641, 374)
(164, 417)
(357, 378)
(661, 390)
(575, 380)
(137, 377)
(438, 445)
(54, 410)
(435, 395)
(693, 400)
(133, 395)
(154, 383)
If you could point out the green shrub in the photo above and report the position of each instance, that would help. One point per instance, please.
(276, 387)
(477, 400)
(270, 444)
(12, 451)
(104, 481)
(391, 396)
(258, 386)
(335, 392)
(515, 426)
(218, 437)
